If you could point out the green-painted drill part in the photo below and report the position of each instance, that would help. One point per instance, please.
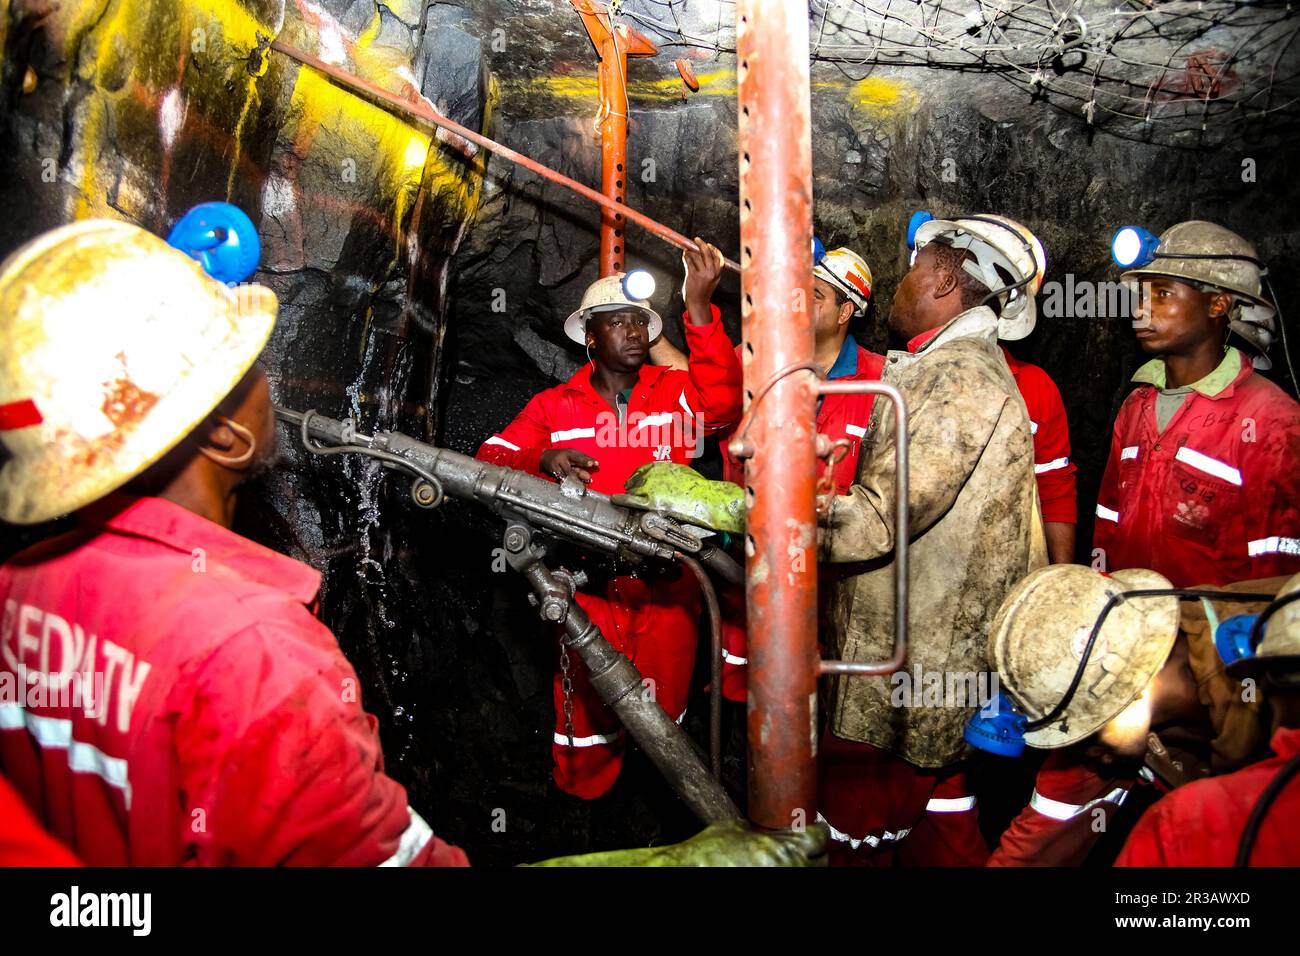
(682, 493)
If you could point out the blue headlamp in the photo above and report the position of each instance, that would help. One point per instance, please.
(919, 219)
(999, 729)
(1232, 638)
(221, 238)
(1133, 247)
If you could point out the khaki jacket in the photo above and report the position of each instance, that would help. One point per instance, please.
(975, 531)
(1241, 730)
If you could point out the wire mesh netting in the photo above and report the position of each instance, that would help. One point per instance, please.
(1191, 70)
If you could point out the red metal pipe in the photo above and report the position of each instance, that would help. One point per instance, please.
(614, 44)
(776, 296)
(423, 111)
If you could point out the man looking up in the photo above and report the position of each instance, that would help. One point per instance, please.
(888, 768)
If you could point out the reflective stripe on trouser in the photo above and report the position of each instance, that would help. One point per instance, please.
(735, 639)
(874, 799)
(735, 650)
(872, 841)
(1059, 810)
(414, 838)
(653, 622)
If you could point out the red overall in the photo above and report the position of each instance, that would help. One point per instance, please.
(23, 841)
(1071, 807)
(1212, 499)
(1052, 466)
(178, 703)
(882, 811)
(1201, 823)
(838, 417)
(651, 618)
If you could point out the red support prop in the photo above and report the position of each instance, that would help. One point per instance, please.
(775, 149)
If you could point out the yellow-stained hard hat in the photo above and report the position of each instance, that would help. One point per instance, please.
(116, 347)
(1042, 629)
(607, 295)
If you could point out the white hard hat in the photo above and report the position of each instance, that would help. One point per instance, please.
(607, 295)
(847, 271)
(1041, 631)
(1203, 252)
(997, 242)
(116, 347)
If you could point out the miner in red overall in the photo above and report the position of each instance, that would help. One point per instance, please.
(1203, 823)
(614, 415)
(1053, 469)
(175, 699)
(1202, 484)
(841, 289)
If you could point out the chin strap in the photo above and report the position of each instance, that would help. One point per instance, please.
(238, 460)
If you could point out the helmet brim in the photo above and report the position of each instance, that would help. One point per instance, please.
(575, 326)
(1174, 269)
(68, 475)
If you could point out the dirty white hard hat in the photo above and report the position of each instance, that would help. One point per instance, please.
(1042, 629)
(997, 242)
(607, 295)
(116, 347)
(849, 273)
(1207, 254)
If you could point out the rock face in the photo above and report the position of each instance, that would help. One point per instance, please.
(425, 290)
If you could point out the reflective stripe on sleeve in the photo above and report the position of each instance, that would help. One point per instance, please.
(1274, 545)
(950, 805)
(1104, 512)
(55, 733)
(414, 838)
(1211, 466)
(573, 433)
(1058, 810)
(1033, 428)
(1052, 465)
(728, 658)
(498, 440)
(857, 431)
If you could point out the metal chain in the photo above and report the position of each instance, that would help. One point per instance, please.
(566, 685)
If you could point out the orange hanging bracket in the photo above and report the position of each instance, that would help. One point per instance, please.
(614, 43)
